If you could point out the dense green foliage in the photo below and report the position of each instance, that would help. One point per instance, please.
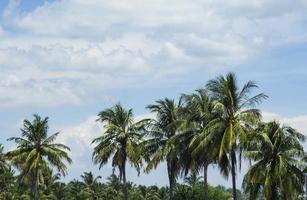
(122, 140)
(215, 125)
(89, 187)
(35, 152)
(276, 168)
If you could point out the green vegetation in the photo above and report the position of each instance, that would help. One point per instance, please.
(216, 125)
(121, 139)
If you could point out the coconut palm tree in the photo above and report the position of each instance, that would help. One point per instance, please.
(159, 146)
(36, 153)
(60, 191)
(199, 113)
(3, 160)
(236, 114)
(50, 179)
(89, 179)
(91, 183)
(76, 190)
(193, 179)
(277, 167)
(121, 139)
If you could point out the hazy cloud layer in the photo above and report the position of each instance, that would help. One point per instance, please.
(67, 50)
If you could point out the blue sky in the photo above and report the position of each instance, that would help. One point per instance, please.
(69, 59)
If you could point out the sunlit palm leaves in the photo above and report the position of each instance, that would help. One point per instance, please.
(214, 125)
(3, 160)
(91, 183)
(277, 168)
(36, 152)
(236, 114)
(121, 140)
(199, 112)
(163, 128)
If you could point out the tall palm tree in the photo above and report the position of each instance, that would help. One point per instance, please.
(36, 153)
(122, 139)
(236, 114)
(164, 127)
(277, 167)
(199, 112)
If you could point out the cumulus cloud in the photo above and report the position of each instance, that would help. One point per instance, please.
(68, 50)
(79, 137)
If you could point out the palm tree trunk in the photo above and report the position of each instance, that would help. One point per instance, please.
(206, 180)
(125, 190)
(275, 193)
(35, 186)
(171, 179)
(233, 174)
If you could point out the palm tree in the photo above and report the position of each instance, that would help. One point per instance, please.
(236, 114)
(91, 183)
(122, 139)
(76, 190)
(198, 114)
(89, 179)
(3, 160)
(36, 152)
(113, 181)
(50, 179)
(60, 191)
(193, 179)
(163, 128)
(277, 167)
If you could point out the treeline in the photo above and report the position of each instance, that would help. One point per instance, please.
(218, 124)
(90, 187)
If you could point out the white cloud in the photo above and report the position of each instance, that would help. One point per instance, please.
(68, 50)
(79, 138)
(11, 8)
(63, 75)
(2, 32)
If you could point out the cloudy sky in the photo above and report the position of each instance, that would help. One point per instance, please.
(69, 59)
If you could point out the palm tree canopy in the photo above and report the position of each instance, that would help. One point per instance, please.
(193, 179)
(122, 138)
(89, 179)
(166, 125)
(199, 113)
(237, 116)
(36, 151)
(167, 116)
(159, 145)
(277, 153)
(235, 109)
(3, 160)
